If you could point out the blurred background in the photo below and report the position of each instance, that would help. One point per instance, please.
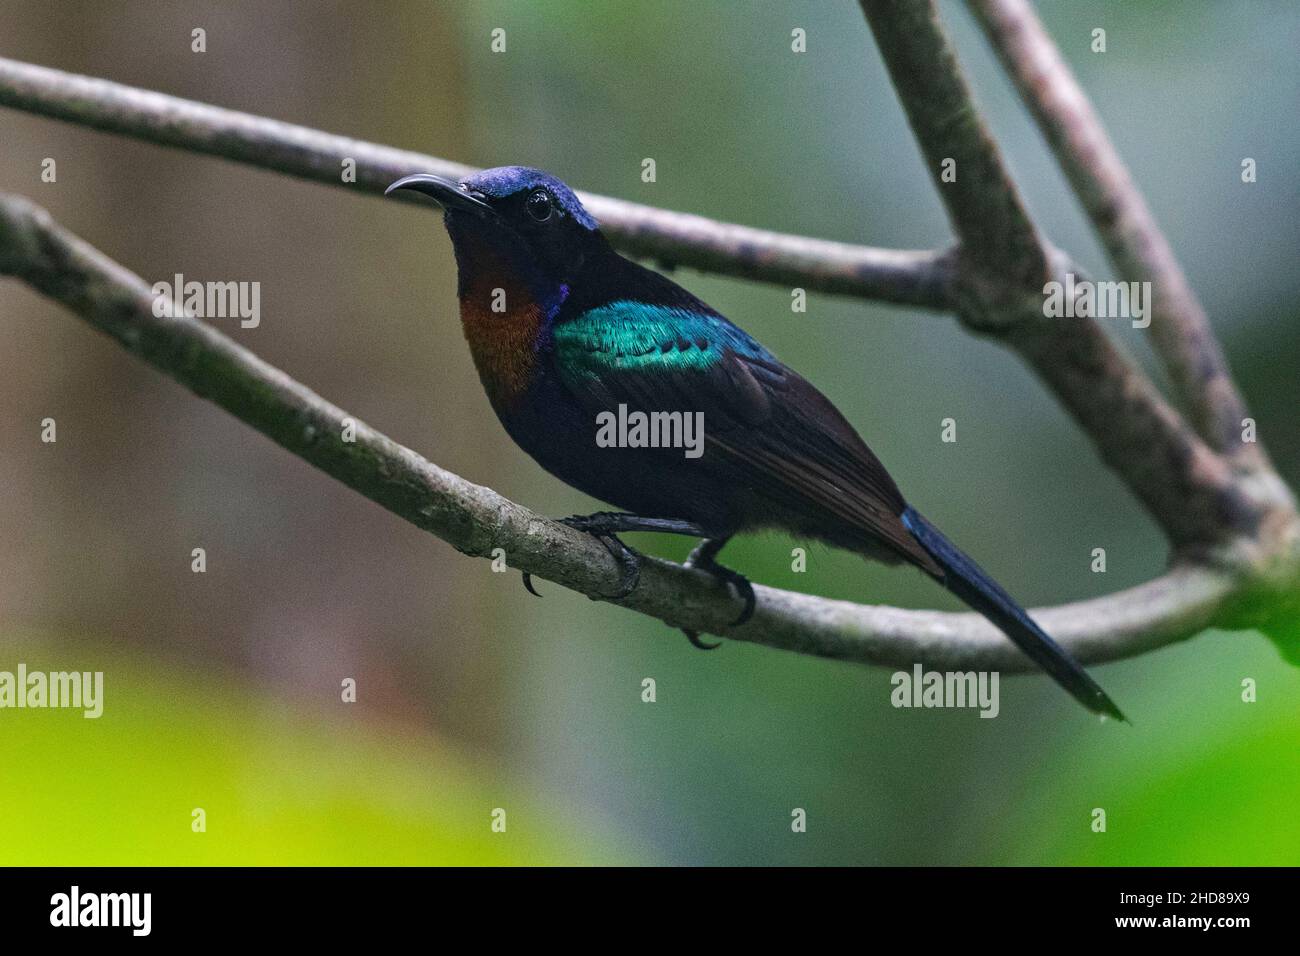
(223, 688)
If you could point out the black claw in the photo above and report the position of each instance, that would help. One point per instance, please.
(694, 638)
(751, 601)
(704, 559)
(597, 525)
(528, 584)
(629, 560)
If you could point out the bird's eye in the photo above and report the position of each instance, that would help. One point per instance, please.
(538, 205)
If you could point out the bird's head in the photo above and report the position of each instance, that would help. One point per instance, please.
(513, 217)
(521, 239)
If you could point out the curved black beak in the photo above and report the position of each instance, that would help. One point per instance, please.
(447, 193)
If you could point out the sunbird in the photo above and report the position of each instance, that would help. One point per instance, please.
(566, 333)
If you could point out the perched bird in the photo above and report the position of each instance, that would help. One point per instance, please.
(563, 330)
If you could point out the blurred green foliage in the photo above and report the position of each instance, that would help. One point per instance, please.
(277, 785)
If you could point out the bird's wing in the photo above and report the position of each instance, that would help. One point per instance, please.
(776, 433)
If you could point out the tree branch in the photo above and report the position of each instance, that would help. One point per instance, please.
(1004, 265)
(1186, 488)
(998, 237)
(475, 519)
(904, 277)
(1136, 246)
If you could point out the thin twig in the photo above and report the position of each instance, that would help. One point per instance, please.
(1189, 490)
(998, 237)
(1136, 245)
(905, 277)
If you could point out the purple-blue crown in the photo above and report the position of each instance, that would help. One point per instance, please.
(507, 180)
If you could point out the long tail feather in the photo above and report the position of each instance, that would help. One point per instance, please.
(964, 578)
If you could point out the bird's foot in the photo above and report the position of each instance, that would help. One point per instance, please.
(606, 525)
(704, 558)
(694, 638)
(602, 526)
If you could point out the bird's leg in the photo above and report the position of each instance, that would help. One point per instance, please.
(616, 522)
(605, 526)
(704, 557)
